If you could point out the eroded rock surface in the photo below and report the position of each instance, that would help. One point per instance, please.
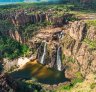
(78, 30)
(78, 53)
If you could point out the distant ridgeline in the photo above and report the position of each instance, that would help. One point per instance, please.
(61, 1)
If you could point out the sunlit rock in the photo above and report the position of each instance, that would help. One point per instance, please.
(22, 61)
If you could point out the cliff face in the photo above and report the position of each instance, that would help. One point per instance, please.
(77, 46)
(22, 18)
(17, 35)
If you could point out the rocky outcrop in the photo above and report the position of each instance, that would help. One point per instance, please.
(7, 84)
(78, 30)
(22, 18)
(17, 35)
(38, 18)
(92, 33)
(11, 65)
(4, 87)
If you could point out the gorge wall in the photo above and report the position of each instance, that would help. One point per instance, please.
(21, 19)
(77, 54)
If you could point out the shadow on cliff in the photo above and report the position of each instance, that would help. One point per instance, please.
(41, 73)
(1, 66)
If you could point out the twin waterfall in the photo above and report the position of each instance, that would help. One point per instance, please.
(58, 56)
(58, 60)
(44, 54)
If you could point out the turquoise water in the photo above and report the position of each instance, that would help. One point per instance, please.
(3, 2)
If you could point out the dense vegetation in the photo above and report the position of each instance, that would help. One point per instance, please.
(11, 48)
(15, 49)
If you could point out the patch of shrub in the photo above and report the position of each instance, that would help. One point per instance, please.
(78, 79)
(67, 87)
(93, 85)
(68, 58)
(91, 23)
(78, 75)
(90, 43)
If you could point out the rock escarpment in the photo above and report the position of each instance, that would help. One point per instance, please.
(22, 18)
(78, 48)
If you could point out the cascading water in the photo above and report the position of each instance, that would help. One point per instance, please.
(58, 59)
(44, 54)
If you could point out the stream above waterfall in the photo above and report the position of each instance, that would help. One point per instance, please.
(41, 73)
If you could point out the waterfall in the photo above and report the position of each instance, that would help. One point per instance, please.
(58, 59)
(44, 54)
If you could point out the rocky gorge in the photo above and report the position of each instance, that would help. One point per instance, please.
(61, 51)
(74, 49)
